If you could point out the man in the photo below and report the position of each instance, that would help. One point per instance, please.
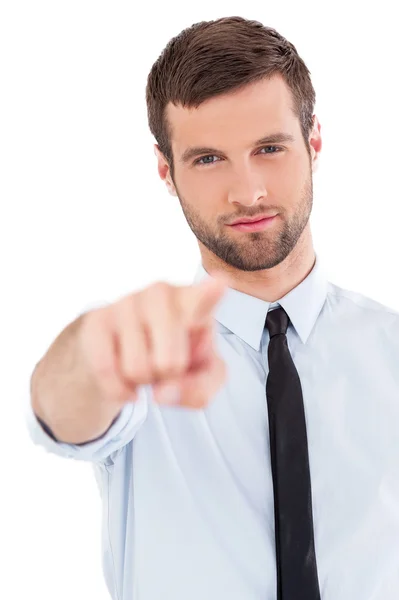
(243, 430)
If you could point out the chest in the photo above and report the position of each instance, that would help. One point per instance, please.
(203, 484)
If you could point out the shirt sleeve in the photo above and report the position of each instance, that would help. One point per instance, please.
(103, 449)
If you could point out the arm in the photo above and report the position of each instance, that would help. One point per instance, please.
(65, 398)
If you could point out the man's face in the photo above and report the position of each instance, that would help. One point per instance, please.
(236, 176)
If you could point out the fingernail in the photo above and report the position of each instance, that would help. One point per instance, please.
(169, 394)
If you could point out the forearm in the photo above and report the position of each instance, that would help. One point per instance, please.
(65, 397)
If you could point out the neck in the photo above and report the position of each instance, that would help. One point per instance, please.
(270, 284)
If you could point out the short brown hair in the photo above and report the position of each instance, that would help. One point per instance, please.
(214, 57)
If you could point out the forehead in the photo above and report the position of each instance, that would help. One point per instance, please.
(235, 118)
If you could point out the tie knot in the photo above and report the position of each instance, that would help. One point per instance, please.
(277, 321)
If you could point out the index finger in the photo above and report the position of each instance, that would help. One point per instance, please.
(199, 301)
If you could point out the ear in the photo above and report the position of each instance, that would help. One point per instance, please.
(164, 171)
(315, 143)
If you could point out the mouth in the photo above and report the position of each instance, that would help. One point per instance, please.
(259, 225)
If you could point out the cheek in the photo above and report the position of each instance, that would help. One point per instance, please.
(203, 189)
(289, 176)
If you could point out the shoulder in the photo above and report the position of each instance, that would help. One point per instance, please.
(359, 302)
(359, 309)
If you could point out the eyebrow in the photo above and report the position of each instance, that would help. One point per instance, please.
(275, 138)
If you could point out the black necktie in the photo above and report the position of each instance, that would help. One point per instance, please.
(295, 553)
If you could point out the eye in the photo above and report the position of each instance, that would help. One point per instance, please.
(211, 159)
(204, 160)
(272, 149)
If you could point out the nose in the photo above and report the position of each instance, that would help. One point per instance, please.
(247, 188)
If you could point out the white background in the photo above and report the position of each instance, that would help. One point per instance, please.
(85, 219)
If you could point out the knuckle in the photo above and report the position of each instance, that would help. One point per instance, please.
(92, 320)
(137, 373)
(180, 363)
(129, 371)
(167, 366)
(134, 359)
(159, 288)
(171, 351)
(124, 304)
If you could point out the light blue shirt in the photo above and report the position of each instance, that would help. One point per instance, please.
(187, 494)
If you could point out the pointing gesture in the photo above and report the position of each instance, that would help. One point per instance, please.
(162, 336)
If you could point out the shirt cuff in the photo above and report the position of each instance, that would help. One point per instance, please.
(51, 434)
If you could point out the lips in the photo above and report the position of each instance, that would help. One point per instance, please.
(254, 220)
(260, 225)
(251, 221)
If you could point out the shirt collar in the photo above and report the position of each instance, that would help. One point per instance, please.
(245, 315)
